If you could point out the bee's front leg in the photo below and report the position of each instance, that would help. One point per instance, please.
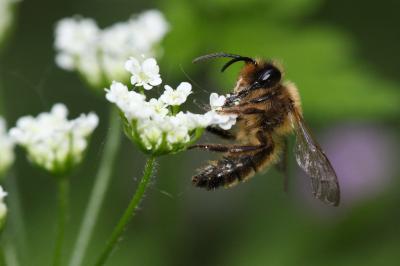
(232, 100)
(229, 148)
(241, 110)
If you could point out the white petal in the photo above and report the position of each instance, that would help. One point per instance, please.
(147, 86)
(134, 80)
(155, 81)
(133, 65)
(65, 61)
(185, 88)
(216, 101)
(150, 67)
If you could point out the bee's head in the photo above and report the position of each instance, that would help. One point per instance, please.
(261, 74)
(255, 74)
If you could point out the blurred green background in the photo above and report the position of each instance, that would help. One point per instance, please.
(343, 55)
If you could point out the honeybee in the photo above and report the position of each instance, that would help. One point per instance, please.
(268, 110)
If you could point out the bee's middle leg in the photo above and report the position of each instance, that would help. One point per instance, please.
(225, 134)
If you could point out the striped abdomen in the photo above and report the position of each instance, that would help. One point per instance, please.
(234, 168)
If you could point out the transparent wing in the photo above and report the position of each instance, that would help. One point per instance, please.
(282, 165)
(313, 161)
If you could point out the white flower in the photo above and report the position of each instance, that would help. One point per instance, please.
(156, 125)
(76, 36)
(144, 74)
(159, 107)
(117, 43)
(150, 134)
(6, 148)
(99, 55)
(52, 141)
(65, 61)
(112, 67)
(76, 40)
(176, 97)
(216, 102)
(193, 121)
(152, 25)
(224, 121)
(3, 207)
(90, 69)
(118, 94)
(178, 135)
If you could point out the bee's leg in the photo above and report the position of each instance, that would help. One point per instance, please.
(225, 134)
(239, 110)
(261, 137)
(230, 102)
(261, 99)
(228, 148)
(242, 94)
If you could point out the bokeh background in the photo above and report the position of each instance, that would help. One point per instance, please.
(343, 55)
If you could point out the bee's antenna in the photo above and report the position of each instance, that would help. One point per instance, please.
(230, 62)
(235, 58)
(219, 55)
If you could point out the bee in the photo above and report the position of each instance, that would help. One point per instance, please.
(268, 110)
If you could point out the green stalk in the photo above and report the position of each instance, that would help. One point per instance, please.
(128, 214)
(10, 254)
(63, 200)
(2, 256)
(15, 235)
(99, 190)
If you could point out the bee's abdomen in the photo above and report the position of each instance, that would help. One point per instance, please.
(231, 169)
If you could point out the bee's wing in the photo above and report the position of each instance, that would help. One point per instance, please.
(313, 161)
(282, 165)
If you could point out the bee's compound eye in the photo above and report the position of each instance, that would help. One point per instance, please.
(270, 77)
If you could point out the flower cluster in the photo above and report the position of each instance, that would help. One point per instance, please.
(6, 148)
(52, 141)
(99, 55)
(3, 207)
(156, 125)
(6, 16)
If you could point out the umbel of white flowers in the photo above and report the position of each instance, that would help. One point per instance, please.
(99, 55)
(6, 16)
(6, 148)
(3, 207)
(156, 125)
(52, 141)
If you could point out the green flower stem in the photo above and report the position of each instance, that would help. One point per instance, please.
(2, 256)
(10, 254)
(63, 200)
(128, 214)
(99, 189)
(15, 234)
(15, 250)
